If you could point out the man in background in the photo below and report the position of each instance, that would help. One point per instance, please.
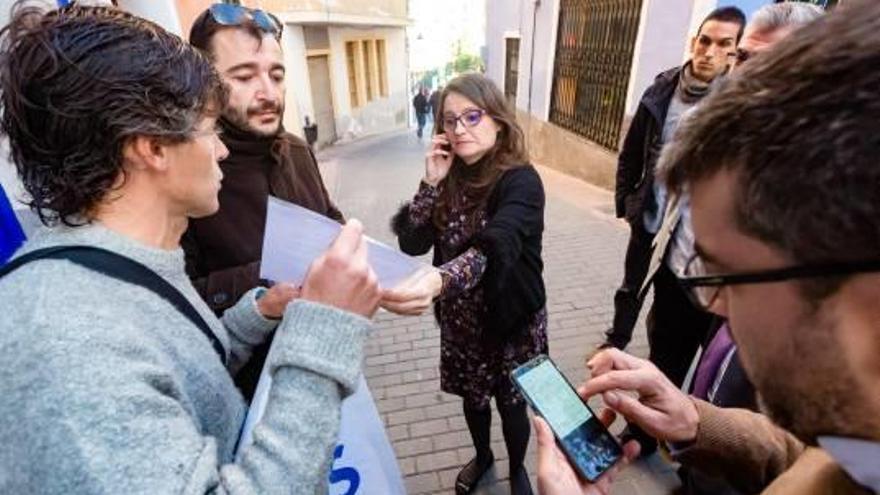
(675, 327)
(422, 107)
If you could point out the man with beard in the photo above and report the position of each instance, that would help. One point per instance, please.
(719, 377)
(223, 251)
(781, 166)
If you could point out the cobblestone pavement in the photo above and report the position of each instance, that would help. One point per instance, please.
(583, 253)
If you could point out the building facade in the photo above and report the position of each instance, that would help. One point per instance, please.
(346, 60)
(576, 69)
(351, 58)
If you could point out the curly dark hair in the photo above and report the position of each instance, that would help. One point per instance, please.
(799, 126)
(77, 84)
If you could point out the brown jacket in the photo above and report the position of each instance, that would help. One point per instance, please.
(223, 251)
(756, 456)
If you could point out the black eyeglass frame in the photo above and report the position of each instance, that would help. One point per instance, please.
(817, 270)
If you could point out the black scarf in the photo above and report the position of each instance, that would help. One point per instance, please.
(249, 149)
(245, 145)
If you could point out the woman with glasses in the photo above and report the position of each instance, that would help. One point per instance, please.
(480, 206)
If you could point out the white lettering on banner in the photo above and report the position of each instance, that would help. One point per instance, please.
(363, 461)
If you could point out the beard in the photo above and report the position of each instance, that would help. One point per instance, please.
(811, 391)
(241, 119)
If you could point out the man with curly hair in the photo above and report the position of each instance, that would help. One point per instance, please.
(116, 375)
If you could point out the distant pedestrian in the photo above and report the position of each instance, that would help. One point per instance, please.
(481, 207)
(422, 107)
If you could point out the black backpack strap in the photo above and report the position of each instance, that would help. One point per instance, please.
(121, 268)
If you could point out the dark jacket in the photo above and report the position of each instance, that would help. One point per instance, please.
(641, 148)
(434, 101)
(732, 389)
(223, 251)
(420, 103)
(513, 285)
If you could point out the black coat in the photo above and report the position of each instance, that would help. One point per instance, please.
(420, 103)
(513, 285)
(641, 148)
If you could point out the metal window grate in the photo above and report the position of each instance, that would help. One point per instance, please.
(594, 50)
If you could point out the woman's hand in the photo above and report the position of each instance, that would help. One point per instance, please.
(414, 295)
(438, 160)
(556, 476)
(274, 301)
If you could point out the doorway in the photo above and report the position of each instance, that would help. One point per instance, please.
(322, 100)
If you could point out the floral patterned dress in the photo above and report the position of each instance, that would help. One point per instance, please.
(470, 366)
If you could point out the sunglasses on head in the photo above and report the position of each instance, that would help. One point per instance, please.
(228, 14)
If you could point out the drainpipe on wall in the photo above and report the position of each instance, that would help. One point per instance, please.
(535, 5)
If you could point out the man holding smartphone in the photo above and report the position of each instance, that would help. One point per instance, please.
(787, 230)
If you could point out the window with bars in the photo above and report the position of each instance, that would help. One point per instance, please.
(511, 69)
(594, 50)
(351, 63)
(366, 61)
(369, 68)
(382, 63)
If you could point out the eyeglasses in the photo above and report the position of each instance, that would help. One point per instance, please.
(229, 14)
(468, 118)
(703, 289)
(742, 55)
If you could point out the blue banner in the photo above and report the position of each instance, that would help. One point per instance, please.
(11, 234)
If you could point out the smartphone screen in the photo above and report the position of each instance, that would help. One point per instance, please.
(585, 440)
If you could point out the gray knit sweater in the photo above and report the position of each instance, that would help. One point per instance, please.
(106, 388)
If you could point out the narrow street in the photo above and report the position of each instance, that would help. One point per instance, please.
(583, 252)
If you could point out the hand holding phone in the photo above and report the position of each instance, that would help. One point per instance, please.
(557, 476)
(438, 159)
(588, 445)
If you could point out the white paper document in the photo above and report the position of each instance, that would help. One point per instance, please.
(296, 236)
